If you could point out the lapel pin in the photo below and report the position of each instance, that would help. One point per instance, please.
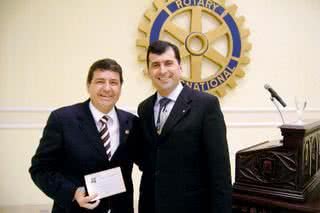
(183, 111)
(127, 131)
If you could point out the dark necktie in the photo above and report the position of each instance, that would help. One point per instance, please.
(160, 120)
(105, 136)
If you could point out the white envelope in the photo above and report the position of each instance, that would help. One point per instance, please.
(105, 183)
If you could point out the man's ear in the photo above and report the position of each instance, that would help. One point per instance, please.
(88, 87)
(146, 72)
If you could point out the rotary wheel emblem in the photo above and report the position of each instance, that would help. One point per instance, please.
(210, 68)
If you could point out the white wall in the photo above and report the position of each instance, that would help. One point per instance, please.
(46, 48)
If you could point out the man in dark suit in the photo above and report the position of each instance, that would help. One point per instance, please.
(72, 146)
(183, 151)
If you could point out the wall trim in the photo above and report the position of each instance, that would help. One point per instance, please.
(132, 109)
(26, 109)
(229, 125)
(235, 117)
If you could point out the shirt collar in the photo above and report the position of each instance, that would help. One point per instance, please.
(97, 115)
(173, 96)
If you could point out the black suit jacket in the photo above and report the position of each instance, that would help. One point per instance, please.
(185, 169)
(71, 148)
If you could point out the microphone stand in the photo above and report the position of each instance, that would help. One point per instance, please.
(274, 102)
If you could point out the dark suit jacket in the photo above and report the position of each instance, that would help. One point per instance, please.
(185, 169)
(71, 148)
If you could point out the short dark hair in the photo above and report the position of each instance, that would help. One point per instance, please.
(158, 47)
(104, 64)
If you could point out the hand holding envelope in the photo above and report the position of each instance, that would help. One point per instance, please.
(105, 183)
(85, 201)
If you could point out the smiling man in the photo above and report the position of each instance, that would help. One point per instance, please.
(86, 138)
(182, 143)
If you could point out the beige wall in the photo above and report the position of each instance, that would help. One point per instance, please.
(46, 47)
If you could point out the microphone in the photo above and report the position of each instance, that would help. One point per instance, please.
(275, 95)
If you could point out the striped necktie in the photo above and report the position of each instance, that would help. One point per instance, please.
(105, 136)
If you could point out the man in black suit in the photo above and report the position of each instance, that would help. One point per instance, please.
(72, 146)
(183, 151)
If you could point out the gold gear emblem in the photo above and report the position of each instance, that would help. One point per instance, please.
(199, 47)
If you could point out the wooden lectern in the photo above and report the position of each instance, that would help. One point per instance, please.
(280, 176)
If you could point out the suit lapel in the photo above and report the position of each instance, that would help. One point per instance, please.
(88, 126)
(179, 110)
(124, 131)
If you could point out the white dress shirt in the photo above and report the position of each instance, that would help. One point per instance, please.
(112, 123)
(173, 97)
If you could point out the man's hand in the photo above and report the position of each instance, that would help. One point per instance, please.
(85, 201)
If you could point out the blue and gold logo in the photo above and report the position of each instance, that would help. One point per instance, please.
(212, 42)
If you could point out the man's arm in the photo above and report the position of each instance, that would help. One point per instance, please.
(46, 165)
(135, 141)
(214, 137)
